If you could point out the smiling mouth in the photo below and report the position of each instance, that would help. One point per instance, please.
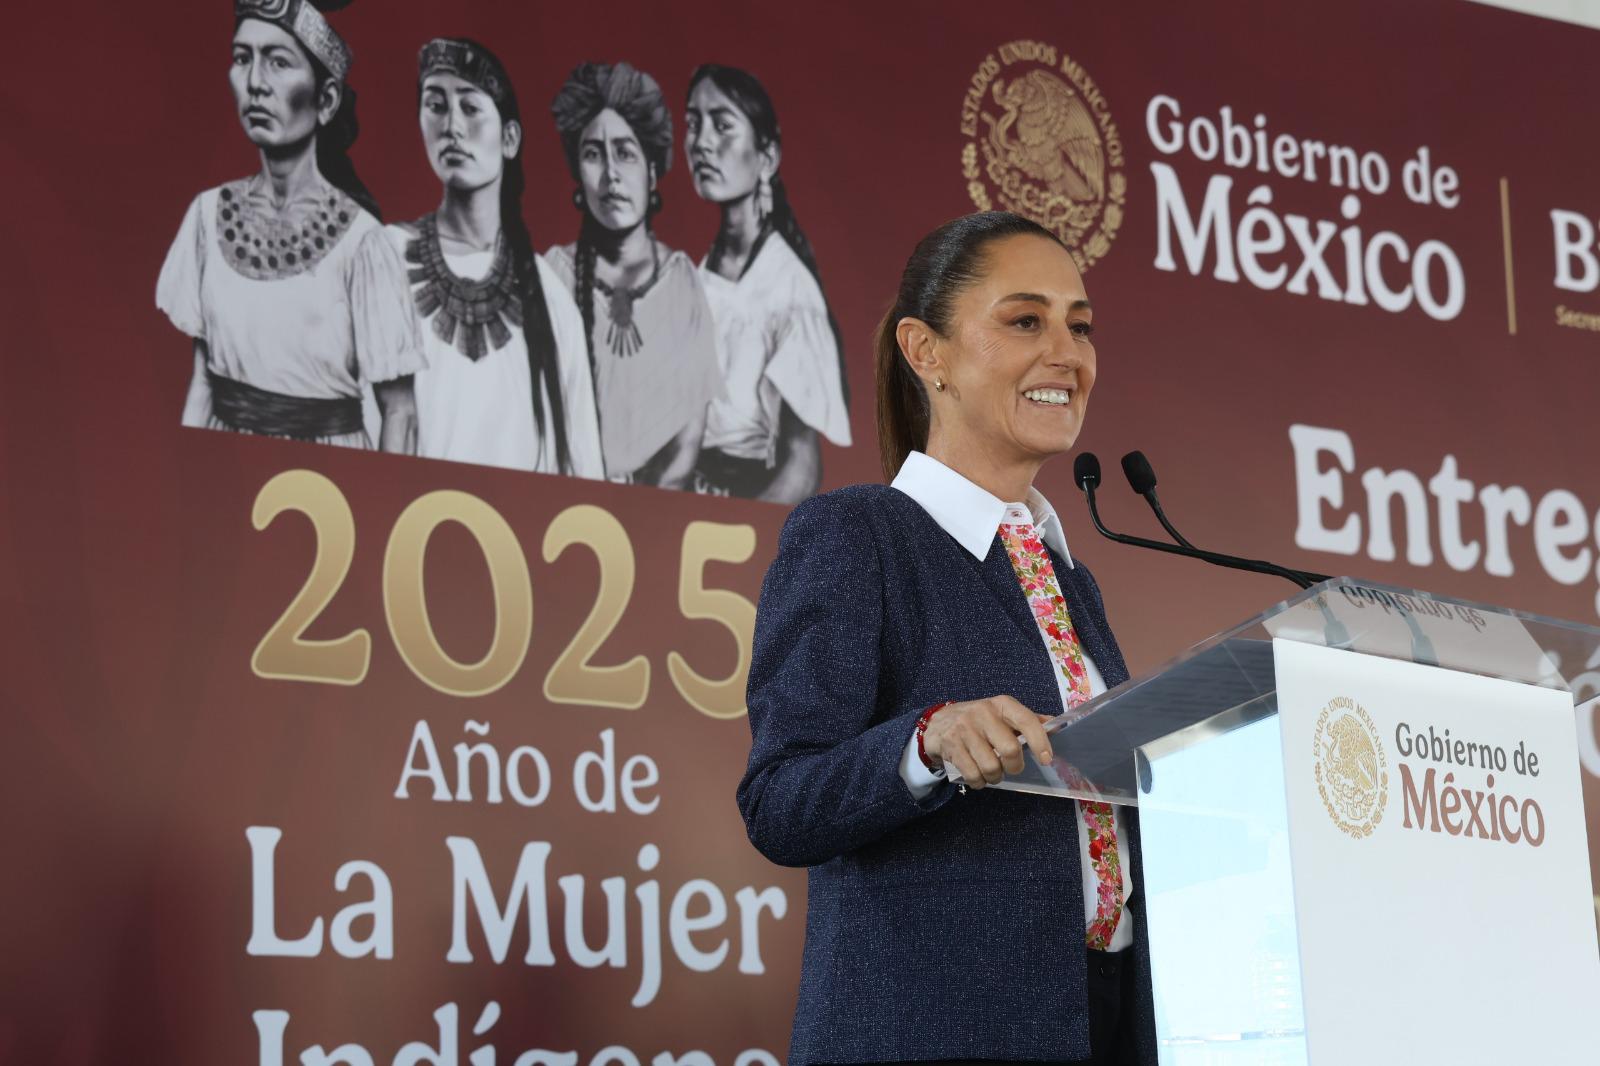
(1049, 397)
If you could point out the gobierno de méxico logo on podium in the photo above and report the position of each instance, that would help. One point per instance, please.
(1350, 767)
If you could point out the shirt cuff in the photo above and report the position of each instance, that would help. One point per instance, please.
(918, 778)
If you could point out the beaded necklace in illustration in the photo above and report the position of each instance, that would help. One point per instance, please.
(267, 247)
(468, 315)
(623, 333)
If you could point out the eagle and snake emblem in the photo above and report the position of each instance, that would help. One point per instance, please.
(1046, 132)
(1351, 775)
(1046, 159)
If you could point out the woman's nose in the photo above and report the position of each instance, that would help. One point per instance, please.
(1064, 349)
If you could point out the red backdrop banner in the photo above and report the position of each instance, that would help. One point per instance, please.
(313, 747)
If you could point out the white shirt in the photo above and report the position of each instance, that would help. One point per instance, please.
(973, 516)
(481, 411)
(777, 347)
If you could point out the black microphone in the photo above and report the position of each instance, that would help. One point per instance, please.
(1136, 468)
(1086, 471)
(1142, 479)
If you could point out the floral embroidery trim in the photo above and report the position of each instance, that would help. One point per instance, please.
(1037, 576)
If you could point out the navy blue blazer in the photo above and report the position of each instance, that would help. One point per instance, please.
(950, 927)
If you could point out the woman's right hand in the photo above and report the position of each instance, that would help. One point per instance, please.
(983, 738)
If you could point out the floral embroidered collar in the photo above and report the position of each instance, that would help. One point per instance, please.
(267, 246)
(468, 315)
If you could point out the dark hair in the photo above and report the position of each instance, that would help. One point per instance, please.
(583, 257)
(637, 97)
(335, 140)
(333, 153)
(543, 361)
(631, 93)
(751, 97)
(944, 263)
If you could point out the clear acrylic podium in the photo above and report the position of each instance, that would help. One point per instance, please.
(1234, 879)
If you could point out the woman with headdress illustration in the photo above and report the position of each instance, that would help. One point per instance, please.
(293, 297)
(652, 342)
(782, 363)
(508, 380)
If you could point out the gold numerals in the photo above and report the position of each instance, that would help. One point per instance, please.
(575, 677)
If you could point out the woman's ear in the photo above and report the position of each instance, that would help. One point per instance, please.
(329, 95)
(510, 139)
(919, 344)
(771, 156)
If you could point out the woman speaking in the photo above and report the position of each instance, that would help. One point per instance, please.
(935, 623)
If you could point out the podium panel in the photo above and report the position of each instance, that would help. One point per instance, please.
(1219, 899)
(1363, 831)
(1441, 863)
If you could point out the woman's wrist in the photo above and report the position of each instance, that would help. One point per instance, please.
(934, 765)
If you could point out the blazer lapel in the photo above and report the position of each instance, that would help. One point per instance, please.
(1001, 578)
(1090, 625)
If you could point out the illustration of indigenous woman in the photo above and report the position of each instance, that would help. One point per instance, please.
(651, 338)
(284, 280)
(782, 362)
(508, 381)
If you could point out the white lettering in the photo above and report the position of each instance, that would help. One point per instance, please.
(1560, 522)
(1214, 225)
(527, 886)
(1452, 491)
(1381, 488)
(1573, 235)
(1315, 487)
(264, 938)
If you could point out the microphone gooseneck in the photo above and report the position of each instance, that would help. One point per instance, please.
(1142, 477)
(1086, 472)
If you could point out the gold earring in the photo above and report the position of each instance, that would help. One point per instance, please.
(938, 383)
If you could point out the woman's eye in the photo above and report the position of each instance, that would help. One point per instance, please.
(1027, 322)
(1083, 330)
(469, 109)
(625, 152)
(724, 127)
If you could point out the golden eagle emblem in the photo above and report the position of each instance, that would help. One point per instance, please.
(1041, 143)
(1351, 769)
(1045, 131)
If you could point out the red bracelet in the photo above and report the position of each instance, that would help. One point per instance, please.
(922, 729)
